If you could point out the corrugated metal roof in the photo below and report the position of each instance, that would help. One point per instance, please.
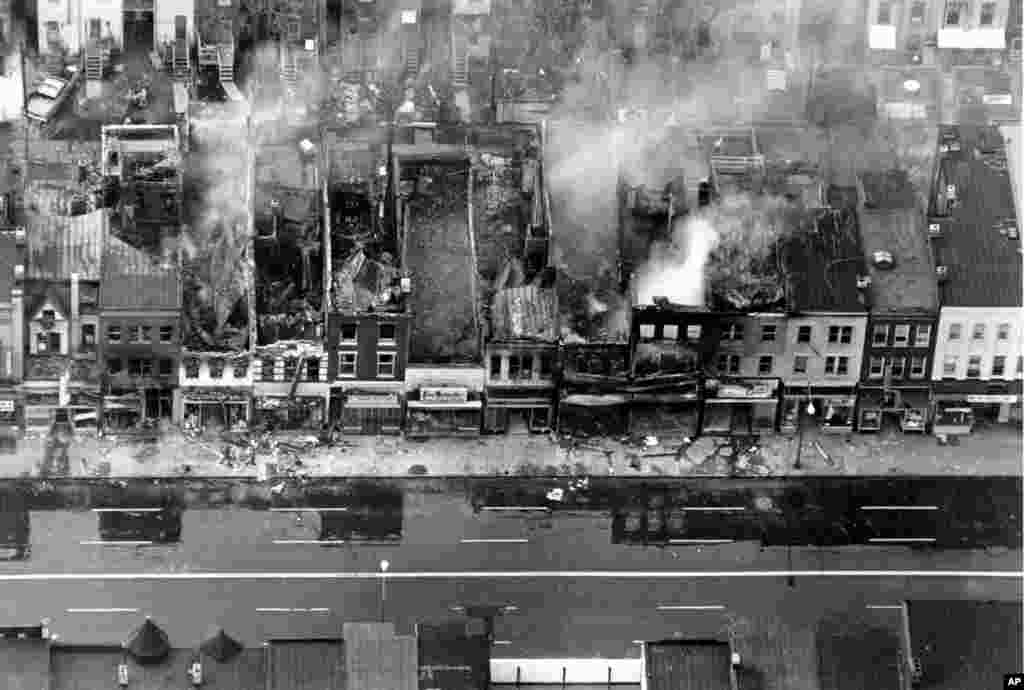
(61, 245)
(377, 659)
(526, 312)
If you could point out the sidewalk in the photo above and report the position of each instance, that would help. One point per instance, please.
(991, 451)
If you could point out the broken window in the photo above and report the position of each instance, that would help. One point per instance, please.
(216, 368)
(241, 368)
(899, 366)
(527, 368)
(733, 331)
(166, 334)
(135, 367)
(348, 331)
(545, 366)
(291, 365)
(114, 365)
(146, 333)
(513, 366)
(495, 367)
(191, 368)
(387, 332)
(313, 369)
(880, 335)
(386, 364)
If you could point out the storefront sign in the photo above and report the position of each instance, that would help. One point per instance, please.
(6, 406)
(372, 399)
(993, 399)
(444, 395)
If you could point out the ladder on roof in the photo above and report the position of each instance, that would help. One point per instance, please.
(225, 65)
(460, 65)
(96, 58)
(180, 68)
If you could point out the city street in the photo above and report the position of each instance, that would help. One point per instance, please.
(559, 616)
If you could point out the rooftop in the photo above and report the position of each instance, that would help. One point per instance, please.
(61, 245)
(9, 256)
(823, 265)
(439, 255)
(524, 313)
(896, 225)
(965, 643)
(701, 665)
(983, 264)
(362, 282)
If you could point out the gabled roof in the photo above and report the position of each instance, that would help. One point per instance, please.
(526, 312)
(48, 294)
(983, 264)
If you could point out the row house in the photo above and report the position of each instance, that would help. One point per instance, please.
(977, 366)
(140, 337)
(904, 299)
(920, 31)
(61, 294)
(12, 273)
(820, 363)
(291, 389)
(592, 396)
(521, 356)
(214, 390)
(69, 26)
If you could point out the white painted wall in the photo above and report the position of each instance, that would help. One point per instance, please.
(819, 344)
(987, 348)
(73, 18)
(166, 11)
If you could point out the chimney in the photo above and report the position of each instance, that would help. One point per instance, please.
(73, 324)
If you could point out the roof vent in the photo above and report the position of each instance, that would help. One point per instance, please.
(882, 259)
(941, 272)
(863, 282)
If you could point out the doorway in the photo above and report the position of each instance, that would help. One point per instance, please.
(138, 30)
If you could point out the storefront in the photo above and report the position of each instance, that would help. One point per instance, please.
(740, 406)
(367, 411)
(669, 410)
(961, 406)
(905, 409)
(515, 410)
(833, 409)
(594, 414)
(449, 411)
(215, 408)
(305, 412)
(40, 407)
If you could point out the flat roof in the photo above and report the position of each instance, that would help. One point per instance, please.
(823, 266)
(965, 644)
(694, 665)
(983, 266)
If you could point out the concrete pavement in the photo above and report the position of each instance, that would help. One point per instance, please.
(994, 451)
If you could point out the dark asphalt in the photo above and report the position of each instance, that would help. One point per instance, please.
(554, 617)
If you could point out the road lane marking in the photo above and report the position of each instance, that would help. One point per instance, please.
(691, 607)
(494, 541)
(111, 610)
(714, 509)
(885, 606)
(500, 508)
(502, 642)
(292, 610)
(901, 540)
(701, 541)
(128, 510)
(114, 542)
(311, 541)
(509, 575)
(310, 510)
(899, 507)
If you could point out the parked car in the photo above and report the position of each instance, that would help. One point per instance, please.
(50, 93)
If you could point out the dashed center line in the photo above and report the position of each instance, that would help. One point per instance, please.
(899, 507)
(293, 610)
(691, 607)
(700, 541)
(495, 541)
(902, 540)
(108, 610)
(308, 510)
(114, 542)
(714, 509)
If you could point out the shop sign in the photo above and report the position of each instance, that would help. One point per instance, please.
(993, 398)
(6, 406)
(373, 399)
(997, 99)
(444, 395)
(758, 390)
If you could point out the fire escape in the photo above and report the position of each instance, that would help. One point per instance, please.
(743, 168)
(97, 59)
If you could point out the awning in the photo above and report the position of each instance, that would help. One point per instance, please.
(519, 402)
(664, 398)
(441, 405)
(993, 398)
(585, 400)
(367, 402)
(760, 401)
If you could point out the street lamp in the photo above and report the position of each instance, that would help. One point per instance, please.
(384, 565)
(800, 428)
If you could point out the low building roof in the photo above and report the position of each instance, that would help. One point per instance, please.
(893, 223)
(823, 266)
(61, 245)
(526, 312)
(983, 263)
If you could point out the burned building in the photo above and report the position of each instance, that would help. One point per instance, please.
(142, 166)
(368, 321)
